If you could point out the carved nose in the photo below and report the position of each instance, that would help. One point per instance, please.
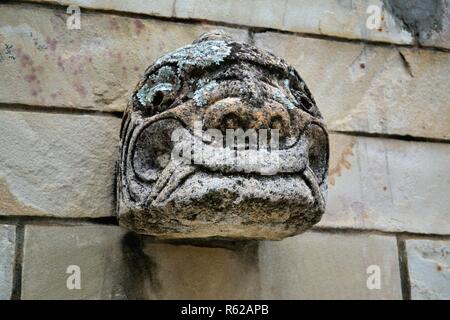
(229, 115)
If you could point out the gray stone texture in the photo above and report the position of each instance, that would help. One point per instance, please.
(388, 184)
(115, 264)
(49, 251)
(429, 269)
(7, 254)
(119, 265)
(329, 266)
(63, 165)
(193, 272)
(345, 19)
(428, 21)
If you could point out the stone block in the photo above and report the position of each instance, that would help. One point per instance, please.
(7, 254)
(388, 185)
(429, 269)
(330, 266)
(59, 165)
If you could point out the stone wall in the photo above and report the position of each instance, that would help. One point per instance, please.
(384, 93)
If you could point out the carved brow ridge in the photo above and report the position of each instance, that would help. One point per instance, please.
(240, 52)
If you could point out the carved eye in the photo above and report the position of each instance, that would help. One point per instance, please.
(158, 92)
(156, 95)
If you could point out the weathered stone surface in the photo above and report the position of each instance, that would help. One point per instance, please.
(329, 266)
(97, 251)
(153, 7)
(429, 21)
(345, 19)
(388, 184)
(429, 268)
(192, 100)
(117, 265)
(191, 272)
(38, 54)
(58, 165)
(44, 63)
(7, 251)
(440, 37)
(370, 88)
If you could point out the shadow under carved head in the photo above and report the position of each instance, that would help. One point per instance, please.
(221, 140)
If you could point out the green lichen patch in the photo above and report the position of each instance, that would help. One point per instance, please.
(200, 55)
(201, 95)
(146, 94)
(280, 97)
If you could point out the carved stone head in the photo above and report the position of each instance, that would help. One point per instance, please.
(221, 139)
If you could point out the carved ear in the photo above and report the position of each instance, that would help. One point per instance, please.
(218, 34)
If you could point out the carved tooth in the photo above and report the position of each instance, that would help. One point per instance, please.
(163, 179)
(174, 182)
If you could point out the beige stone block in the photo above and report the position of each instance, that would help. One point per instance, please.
(330, 266)
(388, 184)
(346, 19)
(59, 165)
(192, 272)
(429, 269)
(7, 256)
(373, 20)
(54, 256)
(115, 264)
(152, 7)
(357, 19)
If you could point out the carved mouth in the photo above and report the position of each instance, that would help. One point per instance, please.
(271, 176)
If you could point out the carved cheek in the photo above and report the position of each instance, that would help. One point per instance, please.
(318, 152)
(152, 150)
